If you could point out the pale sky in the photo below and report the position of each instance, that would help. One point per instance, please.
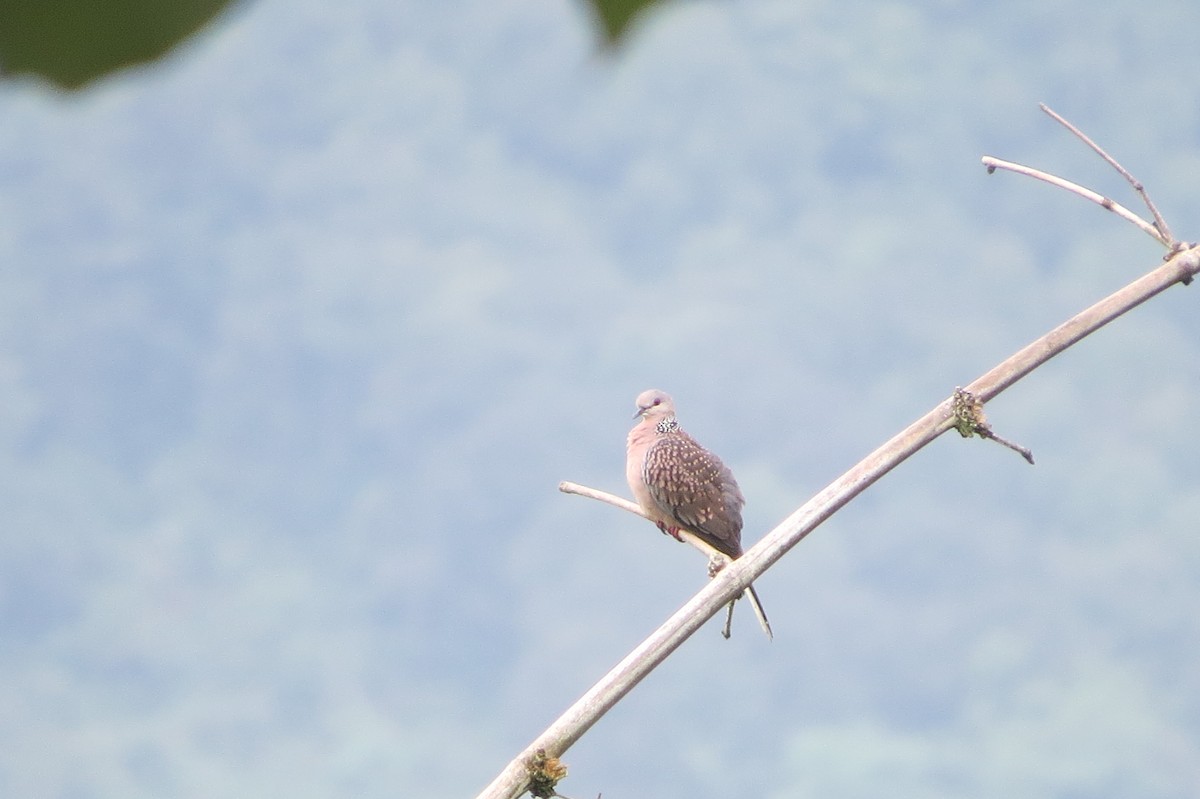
(300, 328)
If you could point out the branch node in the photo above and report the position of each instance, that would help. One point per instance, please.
(1177, 248)
(970, 420)
(544, 774)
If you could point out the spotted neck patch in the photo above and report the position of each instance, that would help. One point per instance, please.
(668, 425)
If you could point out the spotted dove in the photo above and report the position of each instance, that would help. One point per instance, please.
(682, 486)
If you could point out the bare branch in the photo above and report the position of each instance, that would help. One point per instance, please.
(993, 164)
(1159, 222)
(739, 574)
(963, 411)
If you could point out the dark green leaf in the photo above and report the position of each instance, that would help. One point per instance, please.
(73, 42)
(616, 15)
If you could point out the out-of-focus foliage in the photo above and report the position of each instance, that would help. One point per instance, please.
(73, 42)
(615, 16)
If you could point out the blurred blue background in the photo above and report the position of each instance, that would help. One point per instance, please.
(301, 327)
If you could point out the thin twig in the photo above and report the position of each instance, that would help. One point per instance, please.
(1159, 221)
(993, 164)
(567, 487)
(1024, 452)
(970, 420)
(717, 560)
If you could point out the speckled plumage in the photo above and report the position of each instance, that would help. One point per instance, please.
(695, 489)
(680, 485)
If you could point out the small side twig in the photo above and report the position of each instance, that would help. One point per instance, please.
(568, 487)
(970, 420)
(717, 560)
(1107, 203)
(1159, 222)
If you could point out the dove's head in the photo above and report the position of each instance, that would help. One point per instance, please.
(654, 405)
